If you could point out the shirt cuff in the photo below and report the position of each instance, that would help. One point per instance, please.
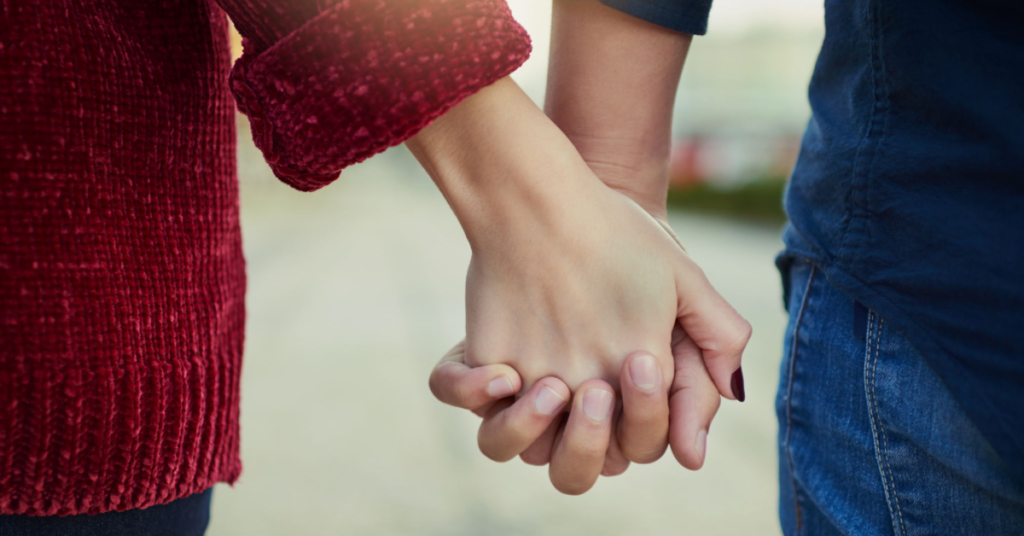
(686, 16)
(365, 75)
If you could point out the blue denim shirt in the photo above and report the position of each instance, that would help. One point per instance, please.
(909, 188)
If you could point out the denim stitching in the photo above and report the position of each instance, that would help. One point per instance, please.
(789, 394)
(888, 481)
(870, 382)
(885, 437)
(857, 198)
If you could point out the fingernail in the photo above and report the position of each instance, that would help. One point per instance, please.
(548, 401)
(644, 372)
(737, 385)
(597, 404)
(702, 443)
(500, 387)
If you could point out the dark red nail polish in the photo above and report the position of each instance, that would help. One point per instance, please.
(737, 385)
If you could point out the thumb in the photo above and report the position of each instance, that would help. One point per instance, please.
(693, 402)
(717, 329)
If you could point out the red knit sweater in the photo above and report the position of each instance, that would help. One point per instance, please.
(121, 272)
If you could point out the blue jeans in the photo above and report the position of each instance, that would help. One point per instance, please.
(187, 516)
(870, 440)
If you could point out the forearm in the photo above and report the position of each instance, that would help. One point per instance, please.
(497, 158)
(612, 80)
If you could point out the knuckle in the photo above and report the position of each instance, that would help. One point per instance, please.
(535, 457)
(638, 434)
(494, 452)
(614, 469)
(444, 392)
(746, 330)
(643, 454)
(496, 456)
(690, 375)
(461, 394)
(435, 386)
(689, 461)
(591, 451)
(646, 414)
(445, 385)
(715, 403)
(570, 487)
(739, 338)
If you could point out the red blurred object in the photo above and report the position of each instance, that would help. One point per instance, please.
(684, 168)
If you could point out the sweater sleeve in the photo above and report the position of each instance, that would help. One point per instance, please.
(330, 83)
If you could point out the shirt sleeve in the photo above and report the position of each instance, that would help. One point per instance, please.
(686, 16)
(329, 83)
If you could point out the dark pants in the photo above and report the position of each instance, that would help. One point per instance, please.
(187, 516)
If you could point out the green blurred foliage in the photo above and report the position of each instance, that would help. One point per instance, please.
(757, 201)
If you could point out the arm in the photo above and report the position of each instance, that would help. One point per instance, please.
(558, 281)
(611, 88)
(569, 281)
(330, 83)
(612, 81)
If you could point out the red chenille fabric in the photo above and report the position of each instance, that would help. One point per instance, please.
(122, 280)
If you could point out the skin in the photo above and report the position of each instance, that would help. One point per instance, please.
(612, 81)
(580, 299)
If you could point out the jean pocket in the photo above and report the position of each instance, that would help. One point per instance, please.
(794, 271)
(939, 473)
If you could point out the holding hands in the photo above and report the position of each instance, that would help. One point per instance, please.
(592, 339)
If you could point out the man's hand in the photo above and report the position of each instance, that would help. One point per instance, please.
(612, 81)
(568, 278)
(534, 426)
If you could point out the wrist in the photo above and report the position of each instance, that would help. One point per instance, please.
(612, 80)
(500, 162)
(636, 169)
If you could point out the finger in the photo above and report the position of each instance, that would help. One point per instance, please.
(719, 331)
(494, 407)
(643, 430)
(510, 430)
(486, 409)
(455, 383)
(579, 455)
(539, 452)
(693, 402)
(615, 462)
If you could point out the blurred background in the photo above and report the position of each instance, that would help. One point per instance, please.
(356, 290)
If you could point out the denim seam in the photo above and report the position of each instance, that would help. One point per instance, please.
(871, 143)
(789, 394)
(881, 449)
(883, 102)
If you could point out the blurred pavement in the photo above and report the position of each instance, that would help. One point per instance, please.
(354, 293)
